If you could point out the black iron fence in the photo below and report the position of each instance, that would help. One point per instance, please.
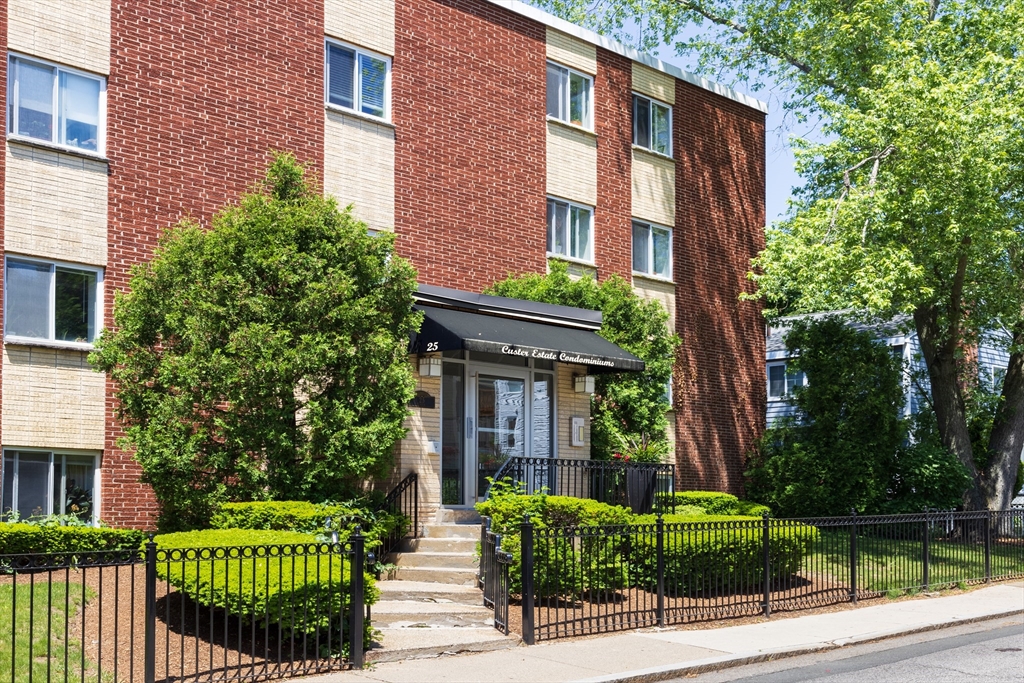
(493, 576)
(585, 580)
(633, 485)
(403, 499)
(183, 614)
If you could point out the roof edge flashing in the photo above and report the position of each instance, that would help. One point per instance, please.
(521, 309)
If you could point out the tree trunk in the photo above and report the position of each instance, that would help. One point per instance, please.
(939, 349)
(1007, 438)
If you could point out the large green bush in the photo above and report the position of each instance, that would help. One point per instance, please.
(20, 539)
(310, 518)
(297, 586)
(710, 502)
(718, 551)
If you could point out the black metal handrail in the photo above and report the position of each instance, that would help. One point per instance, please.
(403, 499)
(633, 485)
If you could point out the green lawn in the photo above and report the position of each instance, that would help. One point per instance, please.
(29, 651)
(885, 564)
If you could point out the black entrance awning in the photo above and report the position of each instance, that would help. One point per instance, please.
(445, 329)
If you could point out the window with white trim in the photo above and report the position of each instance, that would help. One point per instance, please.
(55, 104)
(569, 230)
(652, 250)
(652, 125)
(358, 80)
(992, 377)
(570, 97)
(43, 483)
(782, 380)
(52, 302)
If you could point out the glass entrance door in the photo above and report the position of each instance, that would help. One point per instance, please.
(501, 425)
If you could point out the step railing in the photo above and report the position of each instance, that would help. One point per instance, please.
(404, 500)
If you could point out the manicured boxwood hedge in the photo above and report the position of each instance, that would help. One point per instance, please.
(711, 502)
(309, 518)
(295, 587)
(20, 539)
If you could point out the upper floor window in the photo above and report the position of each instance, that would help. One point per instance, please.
(991, 377)
(652, 125)
(569, 96)
(40, 483)
(55, 104)
(358, 80)
(652, 250)
(569, 227)
(51, 302)
(782, 382)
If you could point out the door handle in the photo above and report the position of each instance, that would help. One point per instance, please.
(469, 427)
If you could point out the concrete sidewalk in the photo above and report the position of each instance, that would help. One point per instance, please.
(652, 655)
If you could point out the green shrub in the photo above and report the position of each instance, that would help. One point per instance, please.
(711, 502)
(751, 509)
(20, 538)
(295, 587)
(719, 551)
(309, 518)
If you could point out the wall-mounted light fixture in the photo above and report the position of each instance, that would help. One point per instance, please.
(582, 384)
(430, 366)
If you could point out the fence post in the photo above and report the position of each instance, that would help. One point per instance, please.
(149, 651)
(988, 546)
(415, 506)
(853, 556)
(356, 617)
(526, 541)
(926, 549)
(766, 557)
(661, 570)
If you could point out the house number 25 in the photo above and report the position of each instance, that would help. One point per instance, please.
(432, 346)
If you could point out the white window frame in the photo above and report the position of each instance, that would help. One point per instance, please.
(588, 115)
(51, 339)
(357, 83)
(650, 123)
(787, 389)
(649, 273)
(62, 455)
(588, 259)
(13, 94)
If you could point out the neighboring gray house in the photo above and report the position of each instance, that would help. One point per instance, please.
(899, 335)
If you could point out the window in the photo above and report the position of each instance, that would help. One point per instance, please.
(652, 250)
(569, 230)
(52, 302)
(569, 96)
(54, 104)
(358, 80)
(652, 125)
(991, 377)
(38, 483)
(781, 381)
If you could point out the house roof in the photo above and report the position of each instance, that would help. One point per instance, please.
(775, 346)
(613, 46)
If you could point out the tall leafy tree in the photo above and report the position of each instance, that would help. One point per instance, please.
(265, 357)
(913, 202)
(628, 408)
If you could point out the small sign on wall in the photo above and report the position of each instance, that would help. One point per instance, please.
(577, 431)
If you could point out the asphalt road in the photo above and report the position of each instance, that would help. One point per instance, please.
(990, 651)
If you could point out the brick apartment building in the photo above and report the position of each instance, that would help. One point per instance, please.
(491, 137)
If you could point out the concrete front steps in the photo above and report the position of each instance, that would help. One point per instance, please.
(431, 606)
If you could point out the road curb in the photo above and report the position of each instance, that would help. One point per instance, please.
(699, 666)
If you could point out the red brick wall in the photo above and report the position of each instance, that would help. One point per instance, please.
(719, 377)
(199, 93)
(613, 121)
(468, 87)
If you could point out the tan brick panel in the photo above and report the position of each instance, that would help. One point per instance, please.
(359, 168)
(571, 52)
(570, 405)
(51, 399)
(654, 188)
(366, 23)
(656, 84)
(661, 291)
(414, 452)
(71, 32)
(55, 205)
(572, 164)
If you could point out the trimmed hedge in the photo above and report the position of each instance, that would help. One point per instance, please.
(20, 539)
(720, 551)
(309, 518)
(711, 502)
(296, 588)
